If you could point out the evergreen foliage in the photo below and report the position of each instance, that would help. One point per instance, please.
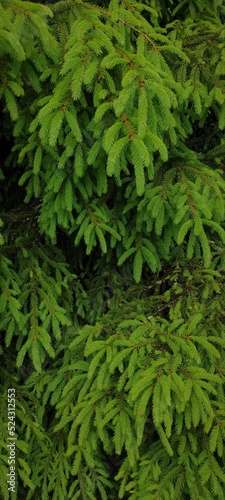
(112, 248)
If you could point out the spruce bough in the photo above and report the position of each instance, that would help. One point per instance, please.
(112, 248)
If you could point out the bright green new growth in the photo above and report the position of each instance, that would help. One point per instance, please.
(112, 248)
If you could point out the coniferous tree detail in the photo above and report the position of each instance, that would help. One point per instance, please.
(112, 248)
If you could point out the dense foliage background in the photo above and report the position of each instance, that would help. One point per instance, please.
(112, 248)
